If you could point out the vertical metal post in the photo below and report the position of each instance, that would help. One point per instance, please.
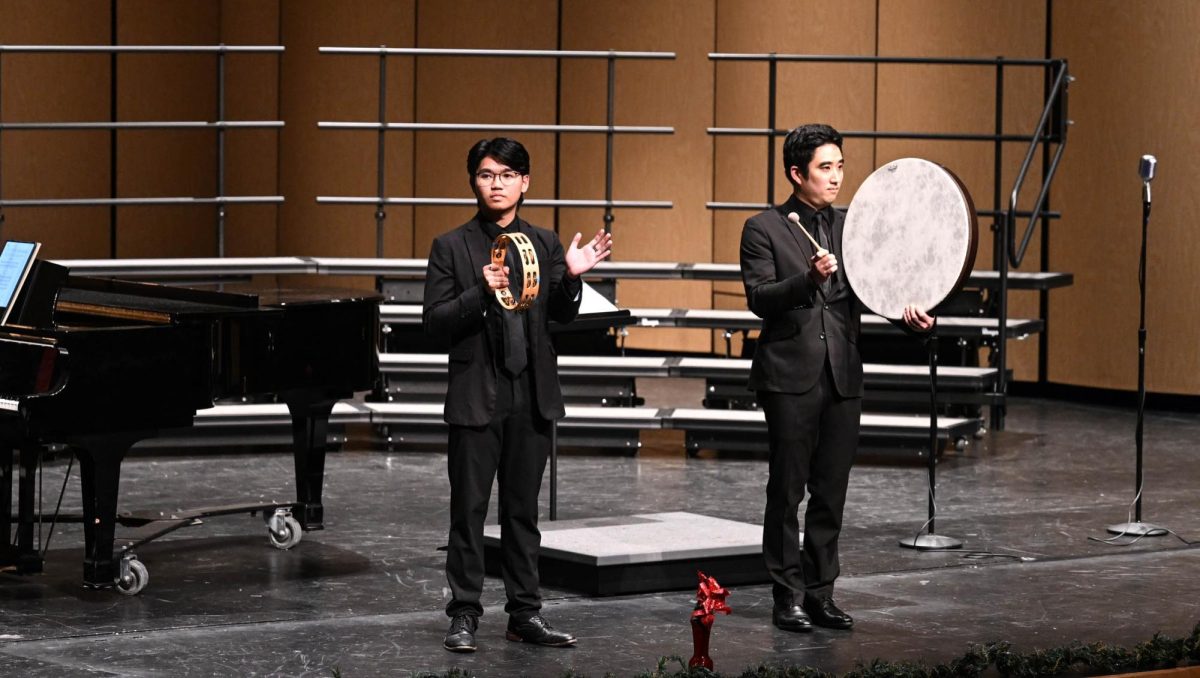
(1044, 295)
(1044, 263)
(113, 134)
(772, 79)
(2, 146)
(933, 431)
(558, 80)
(1000, 260)
(931, 540)
(381, 154)
(608, 141)
(998, 167)
(221, 151)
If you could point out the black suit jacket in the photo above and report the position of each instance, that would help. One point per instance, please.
(802, 327)
(456, 305)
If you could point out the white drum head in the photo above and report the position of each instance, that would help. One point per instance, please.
(909, 237)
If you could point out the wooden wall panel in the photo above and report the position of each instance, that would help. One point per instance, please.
(166, 163)
(1133, 96)
(149, 87)
(58, 88)
(313, 162)
(962, 99)
(1130, 61)
(481, 90)
(252, 156)
(678, 168)
(839, 94)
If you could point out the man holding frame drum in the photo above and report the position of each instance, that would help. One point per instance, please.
(503, 392)
(808, 376)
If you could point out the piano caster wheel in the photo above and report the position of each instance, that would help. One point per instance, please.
(134, 576)
(283, 530)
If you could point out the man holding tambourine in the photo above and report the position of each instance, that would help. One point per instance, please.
(492, 287)
(808, 376)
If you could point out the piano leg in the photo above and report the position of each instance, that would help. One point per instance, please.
(310, 429)
(28, 559)
(100, 478)
(7, 555)
(18, 549)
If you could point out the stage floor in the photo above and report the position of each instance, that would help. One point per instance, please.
(365, 596)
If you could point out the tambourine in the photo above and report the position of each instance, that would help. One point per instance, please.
(909, 237)
(531, 273)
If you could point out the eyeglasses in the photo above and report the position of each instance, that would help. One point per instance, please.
(507, 177)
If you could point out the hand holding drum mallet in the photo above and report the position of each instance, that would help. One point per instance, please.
(824, 263)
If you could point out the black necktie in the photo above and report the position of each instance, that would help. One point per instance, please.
(824, 240)
(515, 349)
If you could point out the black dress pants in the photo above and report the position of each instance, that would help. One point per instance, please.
(514, 447)
(813, 437)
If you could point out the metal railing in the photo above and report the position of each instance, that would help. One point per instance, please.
(220, 125)
(610, 129)
(1051, 129)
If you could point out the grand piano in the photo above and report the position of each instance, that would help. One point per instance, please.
(99, 364)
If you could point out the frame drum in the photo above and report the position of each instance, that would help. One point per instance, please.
(909, 237)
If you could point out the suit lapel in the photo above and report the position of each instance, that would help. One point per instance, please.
(807, 251)
(479, 252)
(802, 242)
(479, 248)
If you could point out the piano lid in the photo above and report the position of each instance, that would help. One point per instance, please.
(283, 297)
(158, 304)
(148, 302)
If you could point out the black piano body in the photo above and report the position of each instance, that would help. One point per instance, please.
(122, 361)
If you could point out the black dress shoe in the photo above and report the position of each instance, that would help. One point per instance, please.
(538, 631)
(823, 612)
(461, 636)
(789, 616)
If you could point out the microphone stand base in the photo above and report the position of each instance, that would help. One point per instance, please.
(1138, 529)
(930, 542)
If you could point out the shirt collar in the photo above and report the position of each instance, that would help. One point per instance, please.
(493, 230)
(807, 213)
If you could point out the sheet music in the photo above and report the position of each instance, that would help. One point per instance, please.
(15, 261)
(594, 302)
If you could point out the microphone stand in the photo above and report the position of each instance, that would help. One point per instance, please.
(931, 541)
(1137, 528)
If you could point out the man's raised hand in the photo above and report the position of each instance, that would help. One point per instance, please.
(580, 260)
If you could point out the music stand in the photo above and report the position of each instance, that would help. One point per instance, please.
(930, 540)
(911, 210)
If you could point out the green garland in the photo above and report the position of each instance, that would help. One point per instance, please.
(1160, 652)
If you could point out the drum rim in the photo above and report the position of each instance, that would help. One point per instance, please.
(973, 232)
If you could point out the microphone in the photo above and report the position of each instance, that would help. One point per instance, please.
(1146, 169)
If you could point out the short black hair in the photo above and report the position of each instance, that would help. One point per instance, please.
(802, 142)
(508, 151)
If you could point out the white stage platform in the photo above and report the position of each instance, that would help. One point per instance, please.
(644, 552)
